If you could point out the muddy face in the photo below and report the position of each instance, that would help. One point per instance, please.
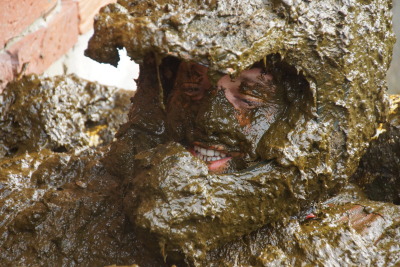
(222, 124)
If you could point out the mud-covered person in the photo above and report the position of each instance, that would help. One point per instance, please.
(206, 161)
(211, 177)
(216, 132)
(222, 124)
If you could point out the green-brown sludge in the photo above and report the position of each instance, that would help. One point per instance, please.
(330, 56)
(311, 150)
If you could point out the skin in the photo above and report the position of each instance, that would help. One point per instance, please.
(229, 117)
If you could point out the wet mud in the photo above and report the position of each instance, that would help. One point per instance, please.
(60, 207)
(59, 114)
(332, 93)
(347, 229)
(72, 195)
(64, 208)
(378, 172)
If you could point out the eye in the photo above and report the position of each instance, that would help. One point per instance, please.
(251, 89)
(251, 95)
(194, 91)
(249, 102)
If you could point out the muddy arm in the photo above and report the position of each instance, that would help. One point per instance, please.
(174, 197)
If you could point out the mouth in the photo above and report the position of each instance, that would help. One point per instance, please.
(216, 157)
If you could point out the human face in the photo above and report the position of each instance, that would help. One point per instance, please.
(222, 124)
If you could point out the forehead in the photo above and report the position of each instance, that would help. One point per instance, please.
(251, 74)
(191, 68)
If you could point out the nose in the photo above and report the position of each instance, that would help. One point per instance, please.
(216, 118)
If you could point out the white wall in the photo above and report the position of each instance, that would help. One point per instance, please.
(393, 77)
(76, 62)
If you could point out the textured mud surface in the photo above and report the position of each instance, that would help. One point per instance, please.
(346, 229)
(63, 208)
(148, 199)
(59, 114)
(330, 57)
(379, 170)
(59, 207)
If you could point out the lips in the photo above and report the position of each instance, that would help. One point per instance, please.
(216, 158)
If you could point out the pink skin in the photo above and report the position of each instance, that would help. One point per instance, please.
(231, 87)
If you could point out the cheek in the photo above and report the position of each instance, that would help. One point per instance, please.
(254, 123)
(177, 101)
(182, 106)
(243, 117)
(249, 129)
(181, 114)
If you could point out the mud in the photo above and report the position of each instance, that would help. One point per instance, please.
(60, 114)
(340, 232)
(379, 169)
(333, 91)
(78, 223)
(146, 199)
(63, 208)
(60, 207)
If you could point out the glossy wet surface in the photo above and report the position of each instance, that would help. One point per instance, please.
(64, 208)
(146, 198)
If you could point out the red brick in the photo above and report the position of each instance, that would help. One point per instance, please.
(17, 15)
(87, 10)
(46, 45)
(7, 69)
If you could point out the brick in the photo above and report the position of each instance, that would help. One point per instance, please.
(87, 10)
(17, 15)
(7, 69)
(46, 45)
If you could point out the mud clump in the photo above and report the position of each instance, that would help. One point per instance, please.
(334, 100)
(60, 207)
(64, 208)
(379, 170)
(60, 114)
(148, 199)
(341, 231)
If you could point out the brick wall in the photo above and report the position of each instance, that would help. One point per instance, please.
(35, 33)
